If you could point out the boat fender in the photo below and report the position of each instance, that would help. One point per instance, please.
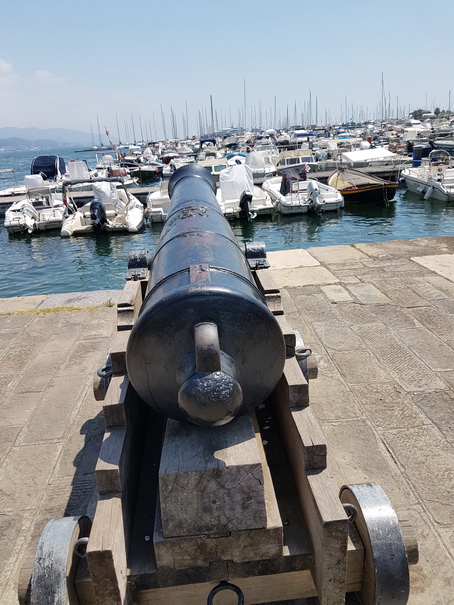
(428, 193)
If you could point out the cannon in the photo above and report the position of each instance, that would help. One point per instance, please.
(205, 347)
(212, 476)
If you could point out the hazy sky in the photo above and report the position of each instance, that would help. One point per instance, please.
(70, 64)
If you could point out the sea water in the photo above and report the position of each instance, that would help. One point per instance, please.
(46, 264)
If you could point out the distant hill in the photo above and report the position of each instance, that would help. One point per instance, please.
(37, 137)
(16, 143)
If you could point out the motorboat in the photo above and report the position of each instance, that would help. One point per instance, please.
(41, 210)
(237, 195)
(50, 168)
(303, 159)
(261, 165)
(111, 209)
(293, 194)
(376, 156)
(144, 166)
(174, 164)
(444, 144)
(433, 178)
(158, 204)
(358, 186)
(214, 166)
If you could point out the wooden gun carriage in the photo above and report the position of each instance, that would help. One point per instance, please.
(246, 511)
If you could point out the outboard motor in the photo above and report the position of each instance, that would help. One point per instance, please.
(245, 204)
(98, 215)
(313, 193)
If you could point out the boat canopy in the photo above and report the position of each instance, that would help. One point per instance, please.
(51, 167)
(235, 180)
(368, 155)
(255, 161)
(78, 169)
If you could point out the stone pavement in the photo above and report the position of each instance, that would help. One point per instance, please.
(380, 321)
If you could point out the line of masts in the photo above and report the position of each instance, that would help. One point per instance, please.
(256, 117)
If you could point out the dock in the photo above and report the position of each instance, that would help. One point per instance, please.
(379, 319)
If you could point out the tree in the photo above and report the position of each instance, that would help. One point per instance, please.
(418, 113)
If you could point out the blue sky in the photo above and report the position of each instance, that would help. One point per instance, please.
(67, 65)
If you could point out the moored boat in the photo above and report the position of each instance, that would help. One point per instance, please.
(293, 194)
(112, 209)
(41, 210)
(237, 195)
(433, 178)
(358, 186)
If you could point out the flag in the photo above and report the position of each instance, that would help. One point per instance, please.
(107, 132)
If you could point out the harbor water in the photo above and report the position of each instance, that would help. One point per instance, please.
(47, 264)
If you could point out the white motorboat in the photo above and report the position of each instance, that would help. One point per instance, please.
(112, 209)
(41, 210)
(237, 195)
(261, 165)
(433, 178)
(294, 195)
(49, 168)
(158, 203)
(303, 159)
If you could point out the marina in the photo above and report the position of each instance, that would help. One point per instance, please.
(44, 263)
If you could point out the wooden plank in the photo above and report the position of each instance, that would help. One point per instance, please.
(326, 520)
(107, 471)
(274, 303)
(238, 546)
(106, 553)
(293, 387)
(265, 282)
(118, 351)
(288, 333)
(113, 407)
(208, 479)
(257, 589)
(126, 318)
(302, 435)
(131, 295)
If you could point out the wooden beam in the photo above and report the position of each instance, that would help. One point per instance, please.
(325, 517)
(106, 553)
(107, 471)
(118, 351)
(113, 407)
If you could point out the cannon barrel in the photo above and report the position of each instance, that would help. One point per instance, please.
(205, 347)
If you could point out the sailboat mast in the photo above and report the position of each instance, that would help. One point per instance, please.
(118, 129)
(133, 131)
(99, 132)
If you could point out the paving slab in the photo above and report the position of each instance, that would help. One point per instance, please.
(20, 303)
(290, 259)
(291, 278)
(443, 264)
(333, 255)
(367, 293)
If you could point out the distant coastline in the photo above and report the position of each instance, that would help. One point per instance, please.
(16, 139)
